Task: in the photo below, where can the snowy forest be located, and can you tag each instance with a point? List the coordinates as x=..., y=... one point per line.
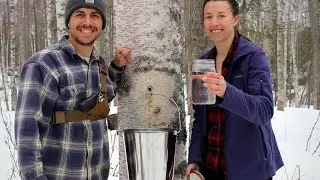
x=165, y=36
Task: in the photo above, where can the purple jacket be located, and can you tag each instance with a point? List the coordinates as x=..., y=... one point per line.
x=251, y=150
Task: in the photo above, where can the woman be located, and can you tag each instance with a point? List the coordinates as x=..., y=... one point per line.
x=233, y=139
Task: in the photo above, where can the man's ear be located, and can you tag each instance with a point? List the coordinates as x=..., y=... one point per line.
x=236, y=20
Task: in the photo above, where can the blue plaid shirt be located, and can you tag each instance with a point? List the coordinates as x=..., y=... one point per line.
x=50, y=80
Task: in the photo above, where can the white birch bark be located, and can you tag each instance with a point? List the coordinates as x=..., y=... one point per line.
x=51, y=22
x=154, y=31
x=12, y=57
x=281, y=62
x=293, y=47
x=60, y=9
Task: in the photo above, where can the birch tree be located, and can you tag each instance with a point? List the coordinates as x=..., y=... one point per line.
x=292, y=43
x=27, y=31
x=281, y=63
x=154, y=31
x=60, y=8
x=51, y=22
x=2, y=10
x=314, y=6
x=268, y=40
x=12, y=53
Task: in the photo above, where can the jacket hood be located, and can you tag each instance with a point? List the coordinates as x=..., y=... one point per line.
x=245, y=47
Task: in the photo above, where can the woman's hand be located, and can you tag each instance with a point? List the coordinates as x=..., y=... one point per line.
x=190, y=167
x=215, y=83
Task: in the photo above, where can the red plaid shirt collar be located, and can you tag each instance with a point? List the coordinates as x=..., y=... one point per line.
x=215, y=160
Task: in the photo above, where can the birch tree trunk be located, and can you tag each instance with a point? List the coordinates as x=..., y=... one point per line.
x=2, y=39
x=60, y=8
x=51, y=22
x=5, y=52
x=154, y=31
x=281, y=63
x=12, y=57
x=292, y=34
x=314, y=6
x=27, y=31
x=267, y=30
x=284, y=67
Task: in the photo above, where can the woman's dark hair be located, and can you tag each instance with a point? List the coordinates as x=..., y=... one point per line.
x=235, y=11
x=233, y=3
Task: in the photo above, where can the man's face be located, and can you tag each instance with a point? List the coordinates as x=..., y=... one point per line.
x=85, y=26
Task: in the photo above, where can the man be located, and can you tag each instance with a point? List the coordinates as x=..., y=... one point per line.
x=60, y=125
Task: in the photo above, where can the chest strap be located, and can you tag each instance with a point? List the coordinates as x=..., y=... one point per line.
x=99, y=111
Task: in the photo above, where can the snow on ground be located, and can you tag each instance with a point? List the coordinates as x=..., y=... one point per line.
x=292, y=129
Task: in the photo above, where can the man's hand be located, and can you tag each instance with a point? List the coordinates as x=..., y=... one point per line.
x=122, y=55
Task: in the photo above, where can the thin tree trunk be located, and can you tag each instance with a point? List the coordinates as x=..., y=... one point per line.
x=274, y=62
x=51, y=22
x=60, y=9
x=281, y=62
x=12, y=60
x=27, y=33
x=314, y=6
x=289, y=49
x=295, y=75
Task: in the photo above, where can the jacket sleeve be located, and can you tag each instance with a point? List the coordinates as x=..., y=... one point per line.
x=114, y=77
x=37, y=95
x=196, y=144
x=255, y=106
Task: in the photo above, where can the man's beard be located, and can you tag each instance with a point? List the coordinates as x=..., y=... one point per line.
x=85, y=44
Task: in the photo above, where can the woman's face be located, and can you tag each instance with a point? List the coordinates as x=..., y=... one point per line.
x=219, y=21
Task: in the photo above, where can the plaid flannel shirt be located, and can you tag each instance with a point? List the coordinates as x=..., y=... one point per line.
x=215, y=165
x=51, y=80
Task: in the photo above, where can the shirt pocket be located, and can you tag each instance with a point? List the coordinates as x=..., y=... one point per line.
x=73, y=90
x=69, y=96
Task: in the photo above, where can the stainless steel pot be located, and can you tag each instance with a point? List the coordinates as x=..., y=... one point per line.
x=150, y=152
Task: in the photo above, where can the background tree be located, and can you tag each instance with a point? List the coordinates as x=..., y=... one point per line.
x=51, y=22
x=314, y=10
x=60, y=8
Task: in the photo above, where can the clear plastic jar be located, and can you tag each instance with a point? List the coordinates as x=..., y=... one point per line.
x=200, y=94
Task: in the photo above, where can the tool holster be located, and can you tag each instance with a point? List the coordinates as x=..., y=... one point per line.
x=99, y=111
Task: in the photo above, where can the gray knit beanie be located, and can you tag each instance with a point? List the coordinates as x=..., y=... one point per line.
x=73, y=5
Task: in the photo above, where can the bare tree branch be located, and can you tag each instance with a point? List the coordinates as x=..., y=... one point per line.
x=309, y=138
x=8, y=130
x=316, y=149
